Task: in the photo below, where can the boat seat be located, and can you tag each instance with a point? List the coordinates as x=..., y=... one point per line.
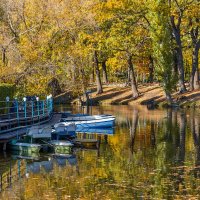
x=33, y=130
x=40, y=132
x=44, y=132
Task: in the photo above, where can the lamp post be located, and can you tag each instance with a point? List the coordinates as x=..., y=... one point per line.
x=16, y=106
x=37, y=99
x=51, y=103
x=24, y=99
x=7, y=106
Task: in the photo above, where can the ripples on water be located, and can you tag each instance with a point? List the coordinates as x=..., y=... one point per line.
x=152, y=155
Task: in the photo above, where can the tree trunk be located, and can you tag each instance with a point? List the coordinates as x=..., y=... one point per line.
x=132, y=76
x=151, y=69
x=179, y=53
x=92, y=77
x=4, y=56
x=128, y=77
x=168, y=97
x=181, y=74
x=105, y=75
x=97, y=71
x=194, y=78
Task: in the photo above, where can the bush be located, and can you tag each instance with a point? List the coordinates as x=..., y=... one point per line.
x=6, y=90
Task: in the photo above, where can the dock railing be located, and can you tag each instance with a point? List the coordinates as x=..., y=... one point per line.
x=16, y=114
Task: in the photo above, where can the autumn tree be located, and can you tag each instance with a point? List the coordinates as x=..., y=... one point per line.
x=162, y=44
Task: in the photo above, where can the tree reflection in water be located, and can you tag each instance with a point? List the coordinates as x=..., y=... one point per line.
x=152, y=155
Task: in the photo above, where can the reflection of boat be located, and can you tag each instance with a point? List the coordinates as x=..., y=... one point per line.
x=25, y=155
x=36, y=167
x=22, y=145
x=86, y=142
x=104, y=131
x=63, y=159
x=61, y=146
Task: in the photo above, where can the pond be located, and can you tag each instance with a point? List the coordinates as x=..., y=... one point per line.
x=152, y=154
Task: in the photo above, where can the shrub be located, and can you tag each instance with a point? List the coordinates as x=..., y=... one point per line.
x=6, y=90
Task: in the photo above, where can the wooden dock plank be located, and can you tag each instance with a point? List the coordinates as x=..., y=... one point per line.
x=21, y=131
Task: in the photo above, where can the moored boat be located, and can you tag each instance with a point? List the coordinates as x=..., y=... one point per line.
x=21, y=145
x=62, y=146
x=86, y=118
x=98, y=123
x=64, y=129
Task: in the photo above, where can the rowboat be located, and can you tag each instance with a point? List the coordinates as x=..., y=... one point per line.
x=62, y=146
x=86, y=118
x=64, y=129
x=36, y=132
x=98, y=123
x=21, y=145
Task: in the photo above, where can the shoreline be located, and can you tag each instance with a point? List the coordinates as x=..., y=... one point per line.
x=151, y=95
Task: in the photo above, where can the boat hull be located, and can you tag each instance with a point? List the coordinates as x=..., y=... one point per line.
x=86, y=118
x=25, y=147
x=104, y=123
x=62, y=147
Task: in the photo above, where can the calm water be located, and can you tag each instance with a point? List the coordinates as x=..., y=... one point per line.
x=151, y=155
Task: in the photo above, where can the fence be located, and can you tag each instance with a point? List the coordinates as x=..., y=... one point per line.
x=17, y=114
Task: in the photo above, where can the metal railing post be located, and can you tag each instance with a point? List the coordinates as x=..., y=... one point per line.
x=43, y=108
x=25, y=114
x=17, y=111
x=32, y=109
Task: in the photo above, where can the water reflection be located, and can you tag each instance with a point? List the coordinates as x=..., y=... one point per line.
x=152, y=155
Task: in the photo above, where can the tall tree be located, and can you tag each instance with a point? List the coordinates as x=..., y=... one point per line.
x=176, y=15
x=162, y=48
x=193, y=25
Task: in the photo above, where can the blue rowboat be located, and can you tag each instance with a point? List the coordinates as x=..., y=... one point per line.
x=85, y=118
x=65, y=129
x=98, y=123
